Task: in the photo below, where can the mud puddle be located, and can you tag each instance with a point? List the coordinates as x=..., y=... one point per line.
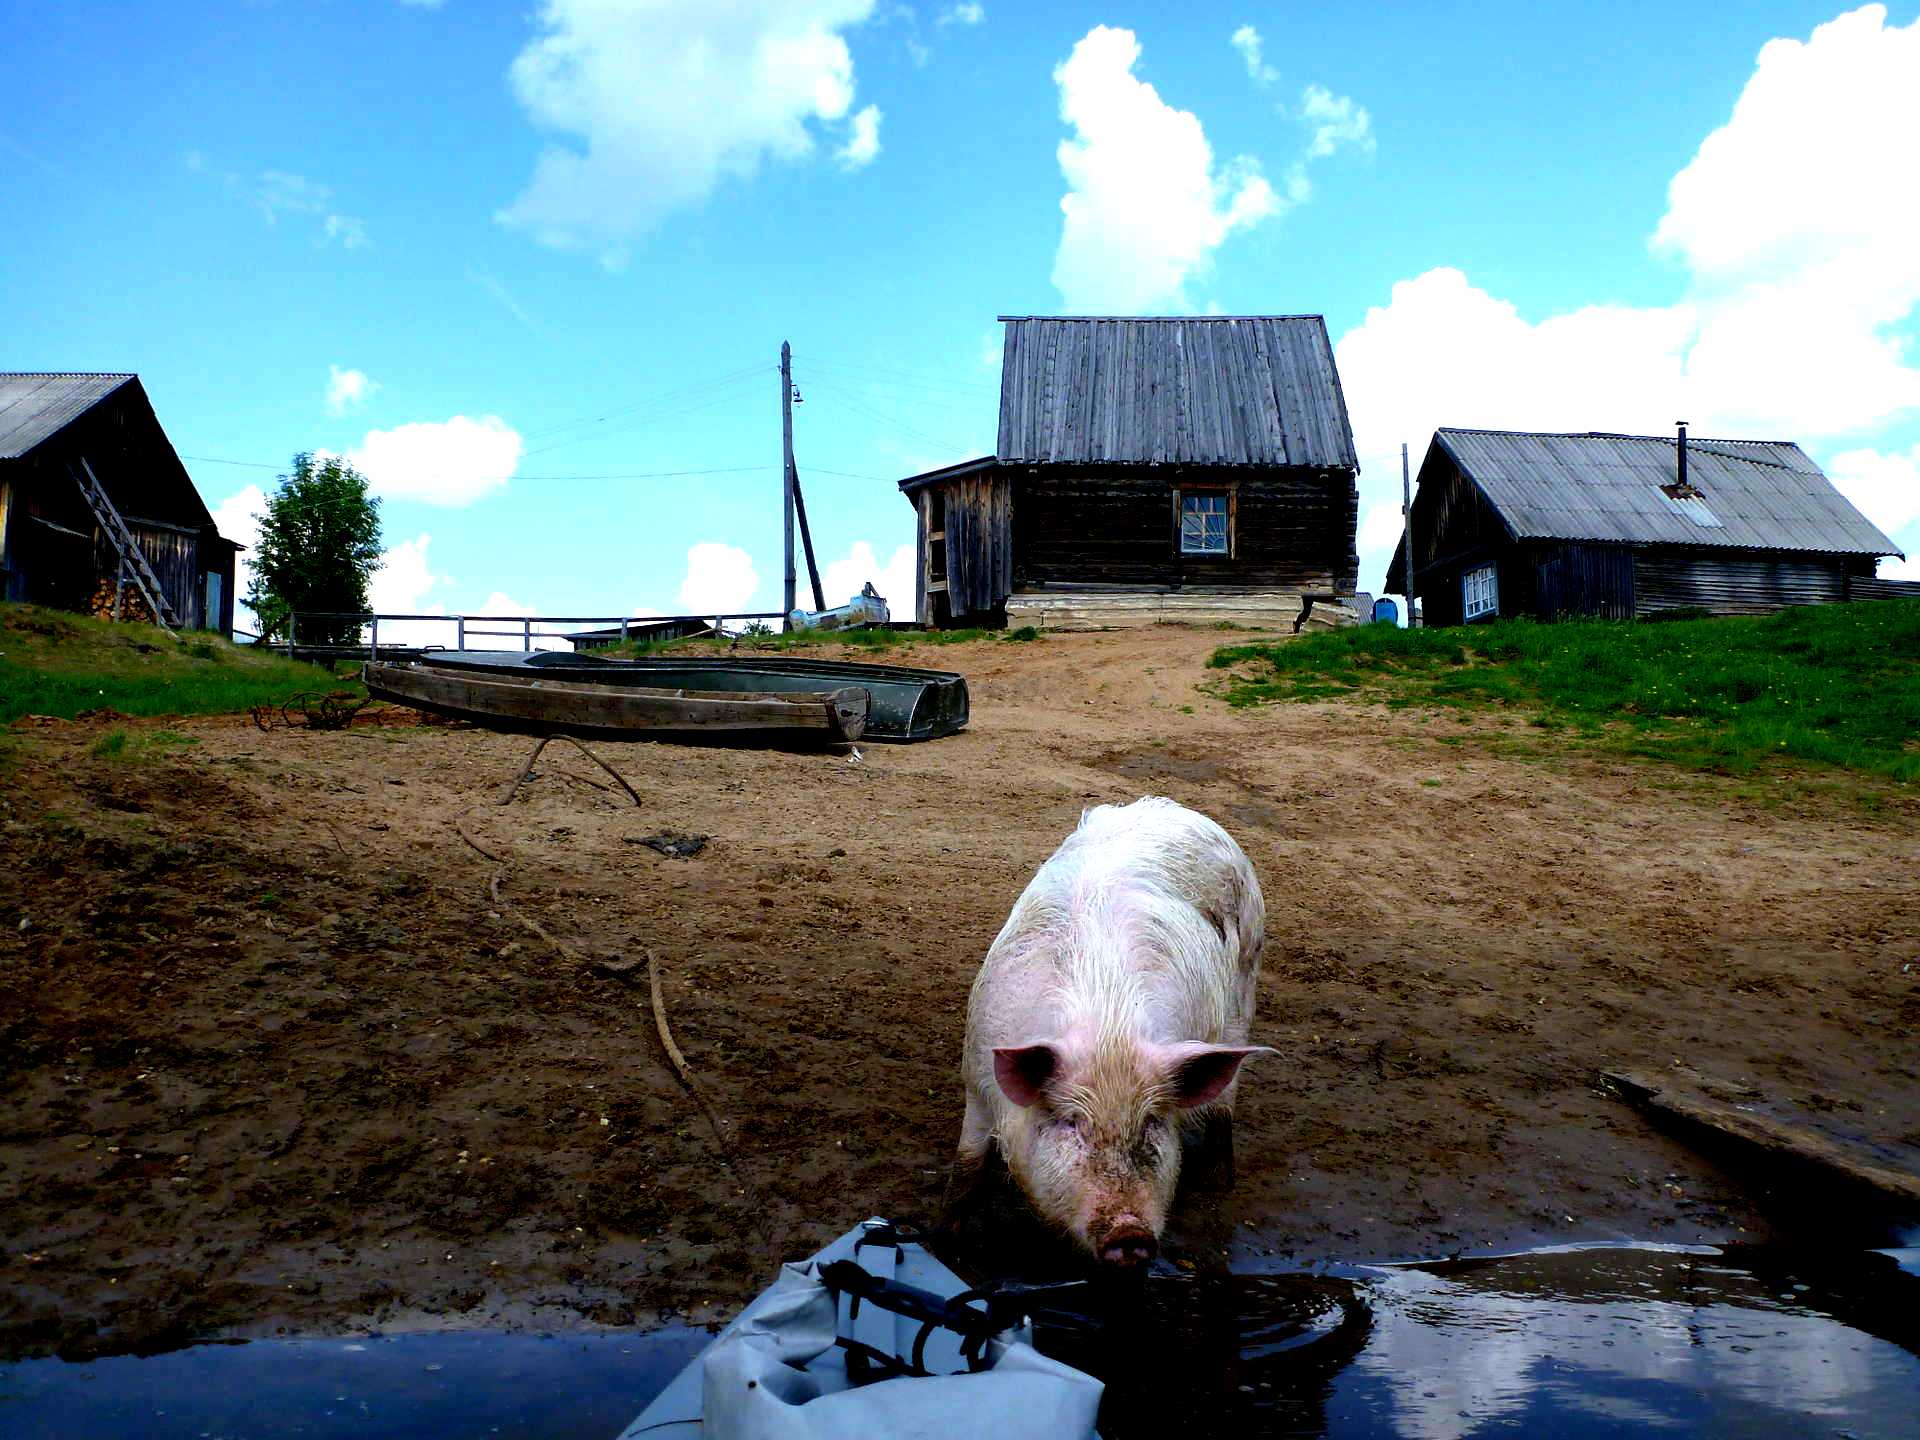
x=1582, y=1342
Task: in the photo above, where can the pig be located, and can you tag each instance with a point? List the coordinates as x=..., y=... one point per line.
x=1108, y=1023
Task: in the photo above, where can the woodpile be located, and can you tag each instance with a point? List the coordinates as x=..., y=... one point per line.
x=133, y=605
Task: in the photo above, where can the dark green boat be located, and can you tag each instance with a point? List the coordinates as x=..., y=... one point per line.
x=907, y=703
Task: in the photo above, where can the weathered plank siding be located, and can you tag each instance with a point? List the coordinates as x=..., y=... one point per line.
x=1723, y=584
x=979, y=543
x=1290, y=529
x=1583, y=580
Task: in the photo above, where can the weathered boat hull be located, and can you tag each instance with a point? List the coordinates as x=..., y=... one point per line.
x=906, y=703
x=543, y=704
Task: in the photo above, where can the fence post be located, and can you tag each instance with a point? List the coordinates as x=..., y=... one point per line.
x=459, y=632
x=373, y=639
x=293, y=623
x=526, y=632
x=623, y=629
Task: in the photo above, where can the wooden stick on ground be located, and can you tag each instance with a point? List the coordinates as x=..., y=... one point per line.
x=685, y=1072
x=527, y=772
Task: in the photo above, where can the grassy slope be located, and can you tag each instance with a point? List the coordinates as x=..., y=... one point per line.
x=1835, y=684
x=55, y=663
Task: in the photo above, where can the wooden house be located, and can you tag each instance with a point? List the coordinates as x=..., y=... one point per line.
x=58, y=531
x=1507, y=522
x=1194, y=467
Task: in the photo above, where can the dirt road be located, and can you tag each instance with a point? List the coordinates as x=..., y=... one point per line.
x=274, y=1056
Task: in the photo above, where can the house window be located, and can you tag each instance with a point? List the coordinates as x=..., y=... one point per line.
x=1481, y=590
x=1204, y=523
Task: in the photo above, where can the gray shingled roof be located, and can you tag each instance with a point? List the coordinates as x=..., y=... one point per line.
x=1754, y=494
x=34, y=406
x=1199, y=390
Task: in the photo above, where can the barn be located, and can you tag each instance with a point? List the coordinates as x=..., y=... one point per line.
x=90, y=488
x=1187, y=467
x=1509, y=522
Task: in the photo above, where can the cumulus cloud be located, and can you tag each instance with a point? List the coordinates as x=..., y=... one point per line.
x=347, y=389
x=1884, y=487
x=1146, y=207
x=656, y=105
x=1334, y=120
x=450, y=462
x=400, y=586
x=843, y=578
x=1790, y=324
x=863, y=143
x=1247, y=41
x=967, y=13
x=238, y=519
x=720, y=580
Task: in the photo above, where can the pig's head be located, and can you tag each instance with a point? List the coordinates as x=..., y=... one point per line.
x=1096, y=1140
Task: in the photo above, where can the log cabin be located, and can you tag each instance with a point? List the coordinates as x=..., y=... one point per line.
x=1509, y=522
x=1185, y=467
x=56, y=548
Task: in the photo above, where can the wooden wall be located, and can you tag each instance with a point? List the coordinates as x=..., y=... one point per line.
x=1292, y=528
x=1737, y=582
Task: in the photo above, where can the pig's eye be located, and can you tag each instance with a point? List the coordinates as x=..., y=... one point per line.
x=1071, y=1121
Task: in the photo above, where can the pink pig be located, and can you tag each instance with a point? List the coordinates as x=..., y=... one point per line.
x=1109, y=1020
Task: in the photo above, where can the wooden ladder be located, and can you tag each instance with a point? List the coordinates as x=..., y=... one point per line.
x=132, y=558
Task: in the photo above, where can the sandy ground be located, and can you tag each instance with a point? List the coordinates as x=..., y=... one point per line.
x=273, y=1056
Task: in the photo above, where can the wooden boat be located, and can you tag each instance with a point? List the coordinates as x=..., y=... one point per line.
x=542, y=704
x=905, y=703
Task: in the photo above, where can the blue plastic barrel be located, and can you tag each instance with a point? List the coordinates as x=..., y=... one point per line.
x=1386, y=611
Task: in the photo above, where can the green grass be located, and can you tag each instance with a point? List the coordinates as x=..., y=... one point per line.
x=55, y=663
x=814, y=640
x=1831, y=685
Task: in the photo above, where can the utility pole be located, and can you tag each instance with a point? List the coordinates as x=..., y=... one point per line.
x=1406, y=537
x=786, y=474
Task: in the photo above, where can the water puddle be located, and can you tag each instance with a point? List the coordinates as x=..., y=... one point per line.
x=1572, y=1343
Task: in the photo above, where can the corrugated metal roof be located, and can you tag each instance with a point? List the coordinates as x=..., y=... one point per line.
x=35, y=405
x=1197, y=390
x=1763, y=494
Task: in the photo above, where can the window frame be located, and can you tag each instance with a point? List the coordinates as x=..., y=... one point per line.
x=1490, y=602
x=1180, y=550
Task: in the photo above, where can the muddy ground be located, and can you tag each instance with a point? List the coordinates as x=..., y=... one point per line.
x=272, y=1055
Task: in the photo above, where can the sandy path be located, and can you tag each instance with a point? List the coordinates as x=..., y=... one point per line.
x=273, y=1057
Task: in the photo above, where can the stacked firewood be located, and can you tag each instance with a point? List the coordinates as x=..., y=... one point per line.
x=133, y=605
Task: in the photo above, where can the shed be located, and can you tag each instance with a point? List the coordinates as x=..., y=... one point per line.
x=1148, y=467
x=55, y=545
x=1509, y=522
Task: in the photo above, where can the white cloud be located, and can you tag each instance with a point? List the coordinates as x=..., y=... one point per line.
x=350, y=232
x=1907, y=569
x=399, y=586
x=238, y=518
x=452, y=462
x=1335, y=121
x=966, y=13
x=658, y=104
x=1885, y=487
x=843, y=578
x=720, y=580
x=1800, y=276
x=863, y=144
x=1145, y=206
x=348, y=389
x=280, y=193
x=1247, y=41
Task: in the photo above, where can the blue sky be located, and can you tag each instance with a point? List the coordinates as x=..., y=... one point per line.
x=528, y=264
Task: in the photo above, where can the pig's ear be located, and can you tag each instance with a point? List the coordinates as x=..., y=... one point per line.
x=1198, y=1073
x=1022, y=1071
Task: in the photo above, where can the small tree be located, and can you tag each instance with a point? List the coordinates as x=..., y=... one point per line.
x=319, y=546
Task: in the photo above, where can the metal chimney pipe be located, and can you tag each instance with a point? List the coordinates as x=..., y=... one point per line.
x=1683, y=457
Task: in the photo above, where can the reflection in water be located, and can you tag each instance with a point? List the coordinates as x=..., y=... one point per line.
x=1565, y=1343
x=1575, y=1343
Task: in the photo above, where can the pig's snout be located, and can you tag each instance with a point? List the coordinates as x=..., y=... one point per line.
x=1128, y=1245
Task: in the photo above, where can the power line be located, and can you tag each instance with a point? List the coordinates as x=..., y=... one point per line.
x=729, y=378
x=631, y=475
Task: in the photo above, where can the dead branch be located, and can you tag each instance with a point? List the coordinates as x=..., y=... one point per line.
x=526, y=772
x=685, y=1072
